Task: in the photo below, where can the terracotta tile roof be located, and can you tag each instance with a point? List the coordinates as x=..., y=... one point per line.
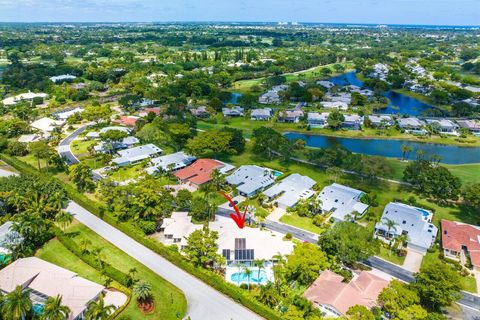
x=456, y=234
x=329, y=289
x=199, y=172
x=129, y=121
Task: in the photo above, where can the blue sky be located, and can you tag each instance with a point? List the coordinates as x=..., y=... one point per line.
x=446, y=12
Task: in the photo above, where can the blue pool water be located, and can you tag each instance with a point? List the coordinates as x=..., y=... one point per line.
x=391, y=148
x=234, y=97
x=277, y=174
x=399, y=103
x=254, y=278
x=38, y=309
x=424, y=212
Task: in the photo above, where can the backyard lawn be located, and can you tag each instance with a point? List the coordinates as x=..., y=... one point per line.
x=80, y=147
x=126, y=173
x=301, y=222
x=169, y=301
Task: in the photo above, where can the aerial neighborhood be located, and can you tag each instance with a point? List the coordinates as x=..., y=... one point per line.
x=239, y=171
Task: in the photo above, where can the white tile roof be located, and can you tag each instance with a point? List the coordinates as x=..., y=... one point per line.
x=179, y=226
x=342, y=200
x=251, y=179
x=137, y=153
x=178, y=159
x=46, y=124
x=291, y=190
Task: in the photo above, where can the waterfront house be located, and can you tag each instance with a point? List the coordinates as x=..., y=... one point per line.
x=471, y=125
x=326, y=84
x=352, y=122
x=250, y=179
x=461, y=242
x=341, y=201
x=412, y=125
x=261, y=114
x=290, y=190
x=334, y=105
x=235, y=111
x=317, y=120
x=381, y=120
x=290, y=116
x=415, y=223
x=333, y=296
x=446, y=126
x=136, y=154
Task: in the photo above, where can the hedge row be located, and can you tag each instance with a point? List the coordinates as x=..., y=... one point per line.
x=209, y=277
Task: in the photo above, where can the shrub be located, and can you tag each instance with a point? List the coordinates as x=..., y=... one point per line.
x=288, y=236
x=148, y=227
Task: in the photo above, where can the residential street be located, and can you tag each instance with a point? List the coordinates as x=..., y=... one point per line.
x=203, y=301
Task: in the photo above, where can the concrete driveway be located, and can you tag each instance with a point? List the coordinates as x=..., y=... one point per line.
x=413, y=260
x=204, y=302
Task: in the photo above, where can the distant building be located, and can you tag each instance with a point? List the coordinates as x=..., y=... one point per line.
x=461, y=241
x=341, y=201
x=7, y=235
x=317, y=120
x=261, y=114
x=334, y=297
x=200, y=112
x=412, y=125
x=334, y=105
x=250, y=180
x=126, y=142
x=199, y=172
x=170, y=162
x=471, y=125
x=290, y=190
x=415, y=223
x=270, y=97
x=290, y=116
x=381, y=120
x=129, y=121
x=65, y=114
x=235, y=111
x=63, y=77
x=47, y=124
x=136, y=154
x=29, y=96
x=146, y=111
x=326, y=84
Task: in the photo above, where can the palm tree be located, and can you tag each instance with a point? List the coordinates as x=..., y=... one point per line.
x=239, y=267
x=54, y=310
x=97, y=310
x=84, y=244
x=406, y=149
x=248, y=273
x=17, y=304
x=390, y=224
x=260, y=264
x=143, y=291
x=63, y=219
x=268, y=296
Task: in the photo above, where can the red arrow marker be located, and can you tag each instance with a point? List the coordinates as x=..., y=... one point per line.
x=237, y=217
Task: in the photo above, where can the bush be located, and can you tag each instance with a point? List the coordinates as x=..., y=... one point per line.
x=288, y=236
x=148, y=227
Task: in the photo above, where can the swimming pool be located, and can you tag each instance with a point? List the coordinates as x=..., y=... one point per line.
x=255, y=277
x=38, y=309
x=277, y=174
x=425, y=213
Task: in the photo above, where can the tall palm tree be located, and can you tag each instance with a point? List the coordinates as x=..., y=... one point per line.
x=239, y=268
x=143, y=291
x=390, y=224
x=17, y=304
x=260, y=264
x=63, y=219
x=248, y=273
x=406, y=149
x=54, y=310
x=97, y=310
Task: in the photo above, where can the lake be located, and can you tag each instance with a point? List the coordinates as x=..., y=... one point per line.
x=399, y=103
x=391, y=148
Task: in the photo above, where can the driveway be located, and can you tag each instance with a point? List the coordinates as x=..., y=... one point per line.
x=276, y=214
x=413, y=260
x=204, y=302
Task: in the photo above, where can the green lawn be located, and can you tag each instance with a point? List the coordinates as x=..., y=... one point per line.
x=468, y=283
x=168, y=299
x=126, y=173
x=300, y=222
x=80, y=147
x=386, y=254
x=259, y=210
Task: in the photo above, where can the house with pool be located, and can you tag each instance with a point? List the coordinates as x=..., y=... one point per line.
x=42, y=279
x=412, y=125
x=8, y=239
x=342, y=202
x=317, y=120
x=445, y=126
x=286, y=193
x=251, y=179
x=415, y=223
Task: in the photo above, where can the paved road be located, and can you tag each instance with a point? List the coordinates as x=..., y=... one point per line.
x=67, y=154
x=204, y=302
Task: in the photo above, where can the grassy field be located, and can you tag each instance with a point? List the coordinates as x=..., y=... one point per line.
x=168, y=299
x=301, y=222
x=80, y=147
x=386, y=254
x=126, y=173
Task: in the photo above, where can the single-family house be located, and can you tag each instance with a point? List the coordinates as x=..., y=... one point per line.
x=334, y=105
x=144, y=112
x=471, y=125
x=170, y=162
x=352, y=122
x=63, y=77
x=47, y=124
x=129, y=121
x=126, y=142
x=177, y=228
x=200, y=112
x=326, y=84
x=446, y=126
x=96, y=134
x=43, y=279
x=261, y=114
x=29, y=96
x=250, y=179
x=317, y=120
x=334, y=297
x=269, y=97
x=290, y=116
x=345, y=97
x=7, y=237
x=199, y=172
x=33, y=137
x=461, y=242
x=65, y=114
x=412, y=124
x=415, y=223
x=290, y=190
x=235, y=111
x=342, y=201
x=136, y=154
x=381, y=120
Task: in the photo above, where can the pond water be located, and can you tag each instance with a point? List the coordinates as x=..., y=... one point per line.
x=234, y=97
x=391, y=148
x=399, y=103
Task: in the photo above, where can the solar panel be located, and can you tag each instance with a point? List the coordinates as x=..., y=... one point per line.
x=240, y=243
x=226, y=254
x=244, y=254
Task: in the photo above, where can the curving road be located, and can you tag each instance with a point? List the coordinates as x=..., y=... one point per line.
x=204, y=302
x=66, y=153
